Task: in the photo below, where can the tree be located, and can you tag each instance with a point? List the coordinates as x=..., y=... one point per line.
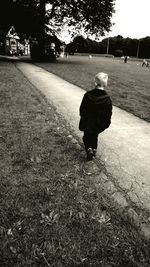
x=29, y=16
x=144, y=48
x=93, y=15
x=22, y=14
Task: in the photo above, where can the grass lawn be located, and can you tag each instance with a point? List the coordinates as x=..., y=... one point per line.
x=129, y=84
x=52, y=214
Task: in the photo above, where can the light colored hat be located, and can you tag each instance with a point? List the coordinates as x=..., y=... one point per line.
x=101, y=79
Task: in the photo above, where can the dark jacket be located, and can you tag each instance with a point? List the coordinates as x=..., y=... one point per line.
x=95, y=111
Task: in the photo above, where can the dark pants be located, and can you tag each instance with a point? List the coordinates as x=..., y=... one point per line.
x=90, y=140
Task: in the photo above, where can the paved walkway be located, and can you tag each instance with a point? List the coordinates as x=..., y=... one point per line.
x=124, y=148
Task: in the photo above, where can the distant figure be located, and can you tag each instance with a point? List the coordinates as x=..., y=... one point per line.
x=66, y=54
x=95, y=112
x=125, y=59
x=145, y=63
x=90, y=56
x=10, y=53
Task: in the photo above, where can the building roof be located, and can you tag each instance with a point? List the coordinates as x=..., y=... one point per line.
x=12, y=33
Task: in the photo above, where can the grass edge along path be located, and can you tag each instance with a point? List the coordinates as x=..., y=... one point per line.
x=128, y=83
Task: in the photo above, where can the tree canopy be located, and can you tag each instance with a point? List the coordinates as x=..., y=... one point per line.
x=25, y=15
x=93, y=15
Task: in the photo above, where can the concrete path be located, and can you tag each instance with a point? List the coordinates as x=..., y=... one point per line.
x=124, y=148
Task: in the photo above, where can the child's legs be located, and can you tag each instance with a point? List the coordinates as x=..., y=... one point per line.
x=95, y=141
x=90, y=140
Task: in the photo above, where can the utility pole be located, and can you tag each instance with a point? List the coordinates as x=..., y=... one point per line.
x=138, y=49
x=107, y=50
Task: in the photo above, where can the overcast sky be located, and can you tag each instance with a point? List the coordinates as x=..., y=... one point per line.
x=132, y=18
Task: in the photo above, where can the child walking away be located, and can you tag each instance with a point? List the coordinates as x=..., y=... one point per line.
x=95, y=112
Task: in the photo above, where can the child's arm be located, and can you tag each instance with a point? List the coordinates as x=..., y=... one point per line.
x=83, y=105
x=108, y=114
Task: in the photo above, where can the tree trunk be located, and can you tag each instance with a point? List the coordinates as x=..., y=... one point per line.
x=41, y=39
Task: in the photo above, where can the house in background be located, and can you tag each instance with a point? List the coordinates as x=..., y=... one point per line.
x=12, y=42
x=13, y=46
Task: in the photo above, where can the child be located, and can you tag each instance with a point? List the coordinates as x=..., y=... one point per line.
x=95, y=112
x=144, y=62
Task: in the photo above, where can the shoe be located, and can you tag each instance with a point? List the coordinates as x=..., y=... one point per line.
x=94, y=152
x=90, y=154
